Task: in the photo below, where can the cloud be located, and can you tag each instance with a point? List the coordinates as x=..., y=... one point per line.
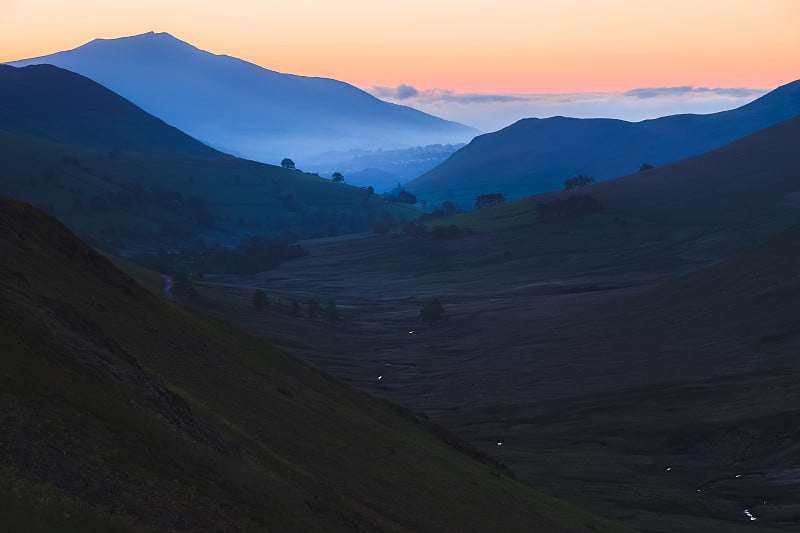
x=490, y=112
x=406, y=92
x=656, y=92
x=401, y=92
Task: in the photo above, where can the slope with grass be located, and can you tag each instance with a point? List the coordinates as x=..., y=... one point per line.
x=124, y=178
x=245, y=109
x=121, y=410
x=536, y=155
x=740, y=192
x=664, y=401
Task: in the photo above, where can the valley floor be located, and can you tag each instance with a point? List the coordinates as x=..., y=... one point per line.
x=584, y=385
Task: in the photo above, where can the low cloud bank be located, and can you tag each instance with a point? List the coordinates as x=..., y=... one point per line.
x=490, y=112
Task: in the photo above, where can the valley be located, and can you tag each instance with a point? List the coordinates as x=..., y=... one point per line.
x=580, y=371
x=236, y=299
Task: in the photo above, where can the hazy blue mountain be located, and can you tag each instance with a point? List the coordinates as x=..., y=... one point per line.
x=247, y=110
x=52, y=104
x=535, y=155
x=382, y=169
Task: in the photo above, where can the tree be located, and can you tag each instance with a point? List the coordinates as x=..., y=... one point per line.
x=645, y=166
x=337, y=177
x=332, y=313
x=287, y=163
x=313, y=309
x=406, y=197
x=575, y=205
x=432, y=312
x=489, y=200
x=260, y=300
x=578, y=181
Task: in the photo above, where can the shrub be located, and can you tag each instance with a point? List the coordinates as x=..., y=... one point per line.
x=432, y=312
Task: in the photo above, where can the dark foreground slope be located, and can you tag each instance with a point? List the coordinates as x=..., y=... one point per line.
x=121, y=410
x=536, y=155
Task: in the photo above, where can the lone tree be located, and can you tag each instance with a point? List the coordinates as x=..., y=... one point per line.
x=645, y=166
x=312, y=309
x=578, y=181
x=288, y=163
x=406, y=197
x=332, y=313
x=260, y=300
x=337, y=177
x=432, y=312
x=489, y=200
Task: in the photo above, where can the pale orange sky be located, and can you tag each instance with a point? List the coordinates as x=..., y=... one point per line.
x=500, y=46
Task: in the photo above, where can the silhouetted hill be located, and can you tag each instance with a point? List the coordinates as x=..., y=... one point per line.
x=746, y=182
x=121, y=411
x=50, y=103
x=743, y=185
x=123, y=178
x=245, y=109
x=536, y=155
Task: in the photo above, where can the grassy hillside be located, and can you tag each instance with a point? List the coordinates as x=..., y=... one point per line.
x=741, y=193
x=124, y=179
x=123, y=411
x=537, y=155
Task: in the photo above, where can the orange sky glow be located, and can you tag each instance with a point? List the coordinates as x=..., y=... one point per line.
x=502, y=46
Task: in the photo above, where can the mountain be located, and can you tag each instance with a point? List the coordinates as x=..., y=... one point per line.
x=743, y=184
x=55, y=105
x=247, y=110
x=700, y=208
x=125, y=179
x=536, y=155
x=123, y=411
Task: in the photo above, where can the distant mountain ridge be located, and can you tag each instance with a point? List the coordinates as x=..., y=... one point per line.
x=245, y=109
x=537, y=155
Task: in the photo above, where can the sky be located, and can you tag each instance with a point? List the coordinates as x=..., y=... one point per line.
x=476, y=61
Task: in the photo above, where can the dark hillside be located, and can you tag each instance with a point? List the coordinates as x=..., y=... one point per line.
x=124, y=179
x=50, y=103
x=743, y=182
x=120, y=410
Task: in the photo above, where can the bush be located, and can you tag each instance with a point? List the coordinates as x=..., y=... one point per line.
x=572, y=206
x=489, y=200
x=260, y=300
x=332, y=313
x=432, y=312
x=578, y=181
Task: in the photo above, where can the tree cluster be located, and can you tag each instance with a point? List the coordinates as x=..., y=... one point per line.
x=447, y=209
x=400, y=194
x=489, y=200
x=311, y=309
x=577, y=182
x=572, y=206
x=441, y=231
x=256, y=254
